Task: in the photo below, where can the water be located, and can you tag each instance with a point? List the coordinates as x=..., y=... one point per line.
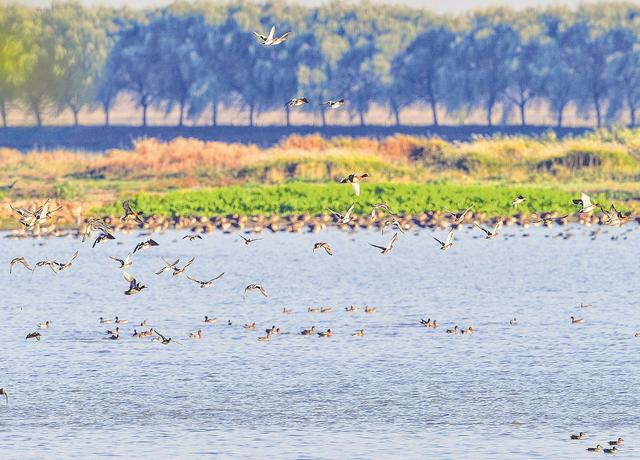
x=402, y=391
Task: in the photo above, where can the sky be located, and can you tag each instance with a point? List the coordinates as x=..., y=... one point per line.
x=435, y=5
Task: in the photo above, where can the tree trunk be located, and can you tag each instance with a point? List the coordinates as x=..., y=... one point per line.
x=523, y=108
x=434, y=112
x=3, y=113
x=181, y=116
x=76, y=121
x=632, y=116
x=489, y=114
x=288, y=115
x=559, y=116
x=214, y=112
x=251, y=109
x=144, y=114
x=105, y=109
x=396, y=113
x=37, y=113
x=596, y=104
x=361, y=115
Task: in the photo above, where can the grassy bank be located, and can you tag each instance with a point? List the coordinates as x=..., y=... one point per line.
x=297, y=198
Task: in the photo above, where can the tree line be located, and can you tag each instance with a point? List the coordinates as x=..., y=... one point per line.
x=199, y=57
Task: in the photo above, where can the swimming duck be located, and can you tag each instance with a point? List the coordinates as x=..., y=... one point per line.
x=273, y=330
x=598, y=448
x=208, y=283
x=577, y=321
x=297, y=101
x=121, y=321
x=389, y=247
x=327, y=333
x=467, y=331
x=455, y=330
x=143, y=323
x=45, y=325
x=250, y=326
x=271, y=39
x=313, y=310
x=326, y=309
x=196, y=335
x=446, y=245
x=580, y=436
x=368, y=309
x=126, y=263
x=115, y=331
x=19, y=260
x=162, y=339
x=613, y=450
x=105, y=320
x=351, y=309
x=354, y=180
x=266, y=338
x=33, y=335
x=324, y=246
x=358, y=333
x=490, y=234
x=309, y=331
x=287, y=311
x=513, y=322
x=134, y=286
x=210, y=320
x=616, y=442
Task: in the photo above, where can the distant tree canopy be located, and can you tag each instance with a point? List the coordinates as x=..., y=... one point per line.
x=196, y=57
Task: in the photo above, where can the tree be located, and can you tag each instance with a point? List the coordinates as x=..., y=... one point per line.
x=85, y=50
x=16, y=54
x=486, y=54
x=421, y=70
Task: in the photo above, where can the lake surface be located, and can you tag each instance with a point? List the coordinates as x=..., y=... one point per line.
x=401, y=391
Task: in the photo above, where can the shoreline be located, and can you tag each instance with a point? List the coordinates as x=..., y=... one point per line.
x=307, y=223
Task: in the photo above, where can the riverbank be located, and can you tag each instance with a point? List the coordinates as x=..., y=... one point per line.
x=299, y=207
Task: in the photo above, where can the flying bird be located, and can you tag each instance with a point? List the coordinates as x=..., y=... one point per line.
x=255, y=287
x=168, y=266
x=145, y=245
x=491, y=234
x=324, y=246
x=518, y=200
x=342, y=219
x=19, y=260
x=354, y=180
x=394, y=223
x=192, y=237
x=102, y=238
x=446, y=245
x=65, y=266
x=33, y=335
x=162, y=339
x=129, y=211
x=134, y=286
x=382, y=206
x=126, y=263
x=248, y=241
x=458, y=217
x=206, y=284
x=271, y=39
x=95, y=224
x=586, y=206
x=179, y=271
x=334, y=104
x=297, y=102
x=389, y=247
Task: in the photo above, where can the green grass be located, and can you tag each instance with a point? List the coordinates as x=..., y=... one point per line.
x=295, y=198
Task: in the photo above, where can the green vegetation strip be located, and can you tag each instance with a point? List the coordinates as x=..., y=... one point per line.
x=316, y=198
